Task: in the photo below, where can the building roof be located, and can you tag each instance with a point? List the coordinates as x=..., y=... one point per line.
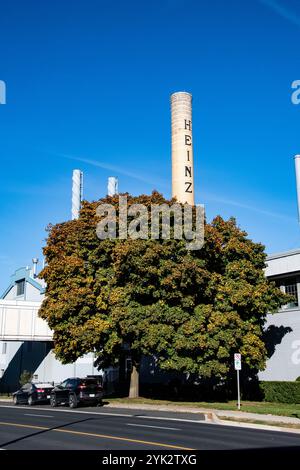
x=24, y=273
x=284, y=254
x=287, y=262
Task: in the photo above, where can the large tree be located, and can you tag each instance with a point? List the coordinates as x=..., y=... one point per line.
x=190, y=309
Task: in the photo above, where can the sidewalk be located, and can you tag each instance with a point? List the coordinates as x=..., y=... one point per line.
x=212, y=414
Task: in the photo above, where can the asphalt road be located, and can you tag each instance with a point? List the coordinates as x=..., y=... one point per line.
x=44, y=428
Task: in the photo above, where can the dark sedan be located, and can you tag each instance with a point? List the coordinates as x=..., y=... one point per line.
x=33, y=393
x=75, y=391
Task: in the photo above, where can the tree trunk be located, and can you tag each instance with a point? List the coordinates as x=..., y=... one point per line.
x=134, y=383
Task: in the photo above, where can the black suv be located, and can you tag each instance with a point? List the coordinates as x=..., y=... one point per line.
x=74, y=391
x=33, y=393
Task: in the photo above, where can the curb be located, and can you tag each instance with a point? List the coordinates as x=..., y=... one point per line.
x=210, y=417
x=243, y=424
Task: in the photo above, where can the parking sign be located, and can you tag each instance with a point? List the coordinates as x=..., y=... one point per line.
x=237, y=361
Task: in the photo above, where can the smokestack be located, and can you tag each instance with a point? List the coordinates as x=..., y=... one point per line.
x=35, y=263
x=77, y=192
x=112, y=186
x=297, y=169
x=182, y=148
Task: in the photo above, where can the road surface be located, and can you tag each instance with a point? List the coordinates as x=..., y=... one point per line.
x=44, y=428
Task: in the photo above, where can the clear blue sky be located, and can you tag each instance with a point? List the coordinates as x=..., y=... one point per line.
x=89, y=81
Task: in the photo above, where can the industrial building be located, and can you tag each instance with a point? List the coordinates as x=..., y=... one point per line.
x=27, y=340
x=283, y=328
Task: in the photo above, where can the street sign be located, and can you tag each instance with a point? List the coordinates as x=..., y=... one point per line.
x=238, y=367
x=237, y=361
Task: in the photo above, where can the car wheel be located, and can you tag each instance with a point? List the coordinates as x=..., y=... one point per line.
x=73, y=401
x=53, y=401
x=30, y=401
x=15, y=400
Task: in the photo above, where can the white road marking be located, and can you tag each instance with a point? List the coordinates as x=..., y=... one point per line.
x=155, y=427
x=55, y=410
x=38, y=415
x=76, y=411
x=172, y=419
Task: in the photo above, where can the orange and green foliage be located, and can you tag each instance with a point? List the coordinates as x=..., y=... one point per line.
x=190, y=309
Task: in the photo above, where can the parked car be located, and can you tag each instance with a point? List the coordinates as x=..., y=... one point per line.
x=76, y=391
x=33, y=393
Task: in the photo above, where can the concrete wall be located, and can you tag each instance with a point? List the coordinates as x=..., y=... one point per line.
x=5, y=358
x=53, y=370
x=38, y=358
x=283, y=342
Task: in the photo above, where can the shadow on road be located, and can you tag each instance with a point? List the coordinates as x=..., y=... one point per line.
x=43, y=431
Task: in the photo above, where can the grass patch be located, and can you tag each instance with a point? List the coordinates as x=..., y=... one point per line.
x=279, y=409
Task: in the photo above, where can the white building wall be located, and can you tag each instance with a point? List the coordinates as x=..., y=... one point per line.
x=284, y=360
x=11, y=348
x=19, y=321
x=52, y=370
x=39, y=359
x=12, y=294
x=284, y=363
x=32, y=293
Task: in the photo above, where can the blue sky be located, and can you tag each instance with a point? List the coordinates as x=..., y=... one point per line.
x=88, y=85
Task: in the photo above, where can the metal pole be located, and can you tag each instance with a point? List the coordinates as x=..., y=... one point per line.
x=77, y=192
x=112, y=186
x=238, y=388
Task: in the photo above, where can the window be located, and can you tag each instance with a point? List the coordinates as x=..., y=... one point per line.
x=291, y=289
x=128, y=365
x=29, y=346
x=72, y=383
x=64, y=384
x=289, y=286
x=4, y=348
x=20, y=287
